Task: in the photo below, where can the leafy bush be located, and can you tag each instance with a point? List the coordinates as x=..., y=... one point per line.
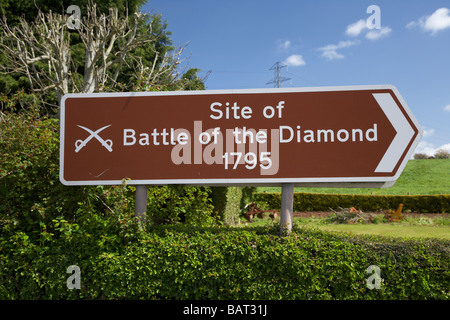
x=227, y=202
x=120, y=261
x=420, y=156
x=31, y=193
x=346, y=215
x=175, y=203
x=442, y=154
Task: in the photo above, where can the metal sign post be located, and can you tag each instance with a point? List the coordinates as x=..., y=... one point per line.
x=140, y=208
x=287, y=208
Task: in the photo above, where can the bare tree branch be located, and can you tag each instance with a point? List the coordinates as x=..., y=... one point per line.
x=41, y=51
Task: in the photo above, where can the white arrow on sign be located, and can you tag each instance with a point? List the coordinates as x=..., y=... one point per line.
x=404, y=132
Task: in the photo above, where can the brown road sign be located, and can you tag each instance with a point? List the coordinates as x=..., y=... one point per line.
x=325, y=136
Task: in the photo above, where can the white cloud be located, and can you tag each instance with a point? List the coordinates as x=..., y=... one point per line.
x=286, y=44
x=428, y=132
x=330, y=51
x=425, y=147
x=376, y=34
x=360, y=26
x=429, y=148
x=332, y=55
x=283, y=45
x=295, y=60
x=356, y=28
x=437, y=21
x=411, y=25
x=447, y=108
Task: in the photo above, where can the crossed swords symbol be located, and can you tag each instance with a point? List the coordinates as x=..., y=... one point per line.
x=80, y=144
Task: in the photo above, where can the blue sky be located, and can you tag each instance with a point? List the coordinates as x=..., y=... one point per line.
x=322, y=43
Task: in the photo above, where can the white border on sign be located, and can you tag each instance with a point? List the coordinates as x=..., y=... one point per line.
x=370, y=182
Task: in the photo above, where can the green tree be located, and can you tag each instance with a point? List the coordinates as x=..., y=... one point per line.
x=14, y=9
x=191, y=80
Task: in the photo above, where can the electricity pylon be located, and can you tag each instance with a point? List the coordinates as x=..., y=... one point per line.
x=278, y=79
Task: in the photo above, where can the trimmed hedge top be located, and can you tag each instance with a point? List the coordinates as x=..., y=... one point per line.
x=323, y=202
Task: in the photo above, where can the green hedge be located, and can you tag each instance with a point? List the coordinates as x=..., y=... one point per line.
x=31, y=193
x=117, y=261
x=226, y=202
x=323, y=202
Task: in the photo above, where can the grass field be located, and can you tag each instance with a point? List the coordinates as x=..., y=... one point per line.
x=431, y=176
x=437, y=227
x=392, y=230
